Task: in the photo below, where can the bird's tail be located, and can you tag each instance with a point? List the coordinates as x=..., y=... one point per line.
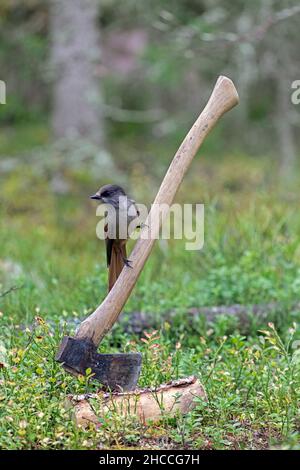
x=118, y=254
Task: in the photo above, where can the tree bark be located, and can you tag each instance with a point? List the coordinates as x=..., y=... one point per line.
x=75, y=53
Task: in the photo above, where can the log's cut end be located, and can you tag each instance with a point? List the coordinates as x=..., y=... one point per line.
x=146, y=405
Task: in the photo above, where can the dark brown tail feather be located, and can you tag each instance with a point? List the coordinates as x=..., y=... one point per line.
x=116, y=264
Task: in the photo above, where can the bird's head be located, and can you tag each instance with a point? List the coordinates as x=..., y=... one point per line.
x=108, y=193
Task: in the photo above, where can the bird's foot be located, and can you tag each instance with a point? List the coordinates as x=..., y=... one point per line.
x=127, y=262
x=142, y=225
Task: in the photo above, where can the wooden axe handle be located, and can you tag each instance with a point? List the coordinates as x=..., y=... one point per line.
x=223, y=98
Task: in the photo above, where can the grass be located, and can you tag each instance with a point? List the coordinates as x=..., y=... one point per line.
x=251, y=255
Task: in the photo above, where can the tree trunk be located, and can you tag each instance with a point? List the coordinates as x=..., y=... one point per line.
x=284, y=126
x=75, y=53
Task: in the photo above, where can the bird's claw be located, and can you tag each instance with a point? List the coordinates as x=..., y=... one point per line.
x=127, y=263
x=142, y=225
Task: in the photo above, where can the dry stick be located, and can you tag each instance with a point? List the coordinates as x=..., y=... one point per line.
x=11, y=289
x=223, y=98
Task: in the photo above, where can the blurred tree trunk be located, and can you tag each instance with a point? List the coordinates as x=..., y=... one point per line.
x=75, y=52
x=284, y=126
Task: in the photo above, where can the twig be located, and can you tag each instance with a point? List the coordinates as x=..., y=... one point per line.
x=255, y=34
x=135, y=116
x=11, y=289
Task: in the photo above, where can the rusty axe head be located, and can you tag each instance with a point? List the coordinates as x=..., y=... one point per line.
x=114, y=371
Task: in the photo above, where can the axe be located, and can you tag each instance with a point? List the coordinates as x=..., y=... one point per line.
x=79, y=353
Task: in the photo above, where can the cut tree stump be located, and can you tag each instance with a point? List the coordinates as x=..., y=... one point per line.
x=151, y=404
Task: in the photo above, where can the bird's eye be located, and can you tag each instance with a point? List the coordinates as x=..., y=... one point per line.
x=105, y=194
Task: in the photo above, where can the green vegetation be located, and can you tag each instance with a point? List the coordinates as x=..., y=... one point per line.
x=49, y=251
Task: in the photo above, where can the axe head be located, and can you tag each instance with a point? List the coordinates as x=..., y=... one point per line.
x=114, y=371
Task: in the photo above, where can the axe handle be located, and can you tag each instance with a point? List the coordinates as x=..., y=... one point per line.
x=223, y=98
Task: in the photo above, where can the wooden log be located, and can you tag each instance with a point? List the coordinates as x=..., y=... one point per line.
x=137, y=322
x=146, y=405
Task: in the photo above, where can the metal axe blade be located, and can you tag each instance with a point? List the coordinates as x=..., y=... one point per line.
x=114, y=371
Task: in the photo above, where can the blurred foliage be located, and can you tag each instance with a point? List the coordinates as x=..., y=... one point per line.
x=251, y=252
x=187, y=45
x=23, y=56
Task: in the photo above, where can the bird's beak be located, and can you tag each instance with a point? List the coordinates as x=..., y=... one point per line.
x=96, y=196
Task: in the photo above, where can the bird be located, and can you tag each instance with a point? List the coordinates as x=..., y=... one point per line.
x=121, y=211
